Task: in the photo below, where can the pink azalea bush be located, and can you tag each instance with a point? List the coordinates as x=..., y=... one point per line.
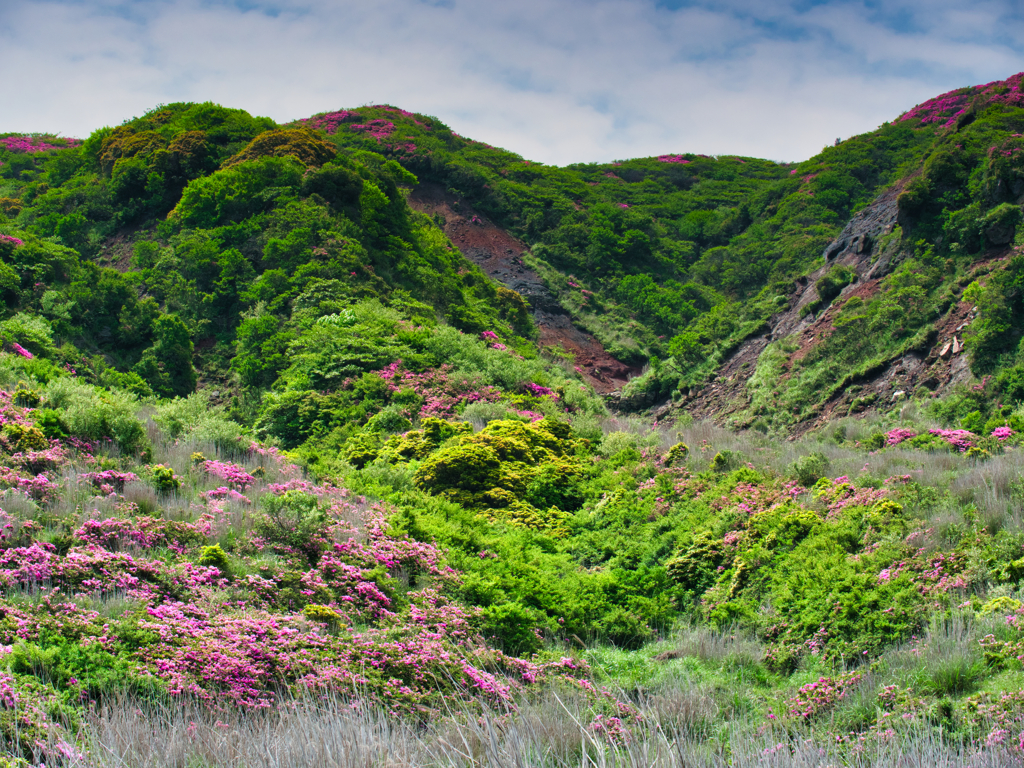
x=34, y=144
x=899, y=435
x=821, y=695
x=944, y=110
x=1002, y=433
x=329, y=122
x=960, y=439
x=233, y=473
x=378, y=128
x=20, y=350
x=442, y=393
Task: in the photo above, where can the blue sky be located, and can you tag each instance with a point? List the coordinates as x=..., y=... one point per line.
x=558, y=81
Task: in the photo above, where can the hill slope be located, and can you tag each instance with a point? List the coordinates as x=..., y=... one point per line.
x=318, y=408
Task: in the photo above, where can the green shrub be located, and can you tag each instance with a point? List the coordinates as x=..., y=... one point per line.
x=875, y=442
x=389, y=420
x=215, y=557
x=92, y=414
x=725, y=460
x=625, y=629
x=51, y=423
x=305, y=145
x=167, y=365
x=676, y=454
x=164, y=479
x=294, y=520
x=33, y=332
x=807, y=470
x=322, y=614
x=235, y=193
x=831, y=284
x=193, y=417
x=463, y=467
x=512, y=627
x=26, y=398
x=23, y=437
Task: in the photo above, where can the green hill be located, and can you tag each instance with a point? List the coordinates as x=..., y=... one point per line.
x=359, y=407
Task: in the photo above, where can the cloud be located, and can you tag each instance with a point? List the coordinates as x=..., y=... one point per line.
x=558, y=81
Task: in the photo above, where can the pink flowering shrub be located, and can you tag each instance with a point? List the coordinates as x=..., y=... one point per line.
x=233, y=473
x=112, y=477
x=899, y=435
x=539, y=391
x=944, y=110
x=1002, y=433
x=225, y=493
x=839, y=494
x=10, y=239
x=960, y=439
x=329, y=122
x=822, y=695
x=441, y=393
x=116, y=533
x=378, y=128
x=20, y=350
x=34, y=144
x=673, y=159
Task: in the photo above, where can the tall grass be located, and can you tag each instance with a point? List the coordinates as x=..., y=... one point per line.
x=553, y=732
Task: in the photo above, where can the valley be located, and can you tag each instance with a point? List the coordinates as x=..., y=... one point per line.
x=354, y=441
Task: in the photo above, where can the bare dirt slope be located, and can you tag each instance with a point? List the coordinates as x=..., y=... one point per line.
x=498, y=254
x=861, y=247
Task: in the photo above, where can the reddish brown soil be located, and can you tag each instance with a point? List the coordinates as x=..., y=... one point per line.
x=499, y=255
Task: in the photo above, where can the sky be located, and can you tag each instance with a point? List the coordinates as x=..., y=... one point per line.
x=557, y=81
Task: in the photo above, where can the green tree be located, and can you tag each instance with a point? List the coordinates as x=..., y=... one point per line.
x=167, y=365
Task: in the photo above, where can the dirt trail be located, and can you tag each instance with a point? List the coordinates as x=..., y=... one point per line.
x=498, y=254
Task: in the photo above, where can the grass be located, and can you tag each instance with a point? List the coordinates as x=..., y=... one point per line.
x=330, y=732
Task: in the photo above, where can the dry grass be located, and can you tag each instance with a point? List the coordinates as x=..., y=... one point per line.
x=552, y=732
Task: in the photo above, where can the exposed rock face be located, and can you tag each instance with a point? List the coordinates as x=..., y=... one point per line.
x=859, y=239
x=937, y=364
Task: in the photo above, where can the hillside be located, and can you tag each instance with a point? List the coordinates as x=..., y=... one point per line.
x=356, y=426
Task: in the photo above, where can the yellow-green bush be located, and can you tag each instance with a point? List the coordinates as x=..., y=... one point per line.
x=304, y=145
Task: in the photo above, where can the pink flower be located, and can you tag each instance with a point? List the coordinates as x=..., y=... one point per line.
x=897, y=436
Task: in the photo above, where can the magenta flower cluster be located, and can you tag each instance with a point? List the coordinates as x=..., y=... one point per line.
x=402, y=112
x=960, y=439
x=20, y=350
x=539, y=391
x=442, y=393
x=1002, y=433
x=12, y=240
x=34, y=144
x=233, y=473
x=112, y=477
x=945, y=109
x=899, y=435
x=822, y=695
x=331, y=121
x=673, y=159
x=378, y=128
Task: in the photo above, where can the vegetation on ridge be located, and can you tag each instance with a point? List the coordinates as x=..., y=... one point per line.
x=268, y=438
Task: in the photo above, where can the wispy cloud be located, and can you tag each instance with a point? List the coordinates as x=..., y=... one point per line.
x=555, y=80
